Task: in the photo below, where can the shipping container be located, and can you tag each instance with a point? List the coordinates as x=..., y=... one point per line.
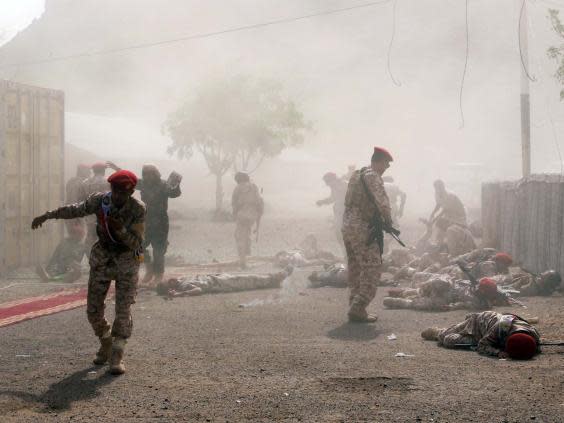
x=31, y=172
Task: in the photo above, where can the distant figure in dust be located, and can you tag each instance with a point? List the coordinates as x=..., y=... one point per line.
x=95, y=184
x=248, y=208
x=450, y=207
x=73, y=184
x=155, y=193
x=338, y=189
x=397, y=198
x=365, y=197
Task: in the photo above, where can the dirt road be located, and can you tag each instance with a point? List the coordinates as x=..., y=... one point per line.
x=289, y=356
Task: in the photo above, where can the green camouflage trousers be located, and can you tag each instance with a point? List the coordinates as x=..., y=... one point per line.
x=123, y=268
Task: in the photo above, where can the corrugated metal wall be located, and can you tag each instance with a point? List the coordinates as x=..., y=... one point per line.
x=526, y=219
x=31, y=171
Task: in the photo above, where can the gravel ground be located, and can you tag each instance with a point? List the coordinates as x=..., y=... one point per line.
x=289, y=355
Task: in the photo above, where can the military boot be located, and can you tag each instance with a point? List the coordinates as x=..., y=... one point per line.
x=431, y=334
x=116, y=362
x=105, y=350
x=357, y=314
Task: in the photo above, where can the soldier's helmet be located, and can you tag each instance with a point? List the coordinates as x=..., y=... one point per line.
x=521, y=346
x=487, y=288
x=550, y=279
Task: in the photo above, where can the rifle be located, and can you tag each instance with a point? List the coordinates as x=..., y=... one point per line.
x=542, y=344
x=377, y=224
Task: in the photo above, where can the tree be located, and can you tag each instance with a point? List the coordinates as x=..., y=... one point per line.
x=235, y=124
x=557, y=53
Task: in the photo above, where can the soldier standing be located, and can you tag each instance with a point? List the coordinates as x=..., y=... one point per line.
x=74, y=183
x=115, y=256
x=248, y=207
x=96, y=183
x=365, y=197
x=338, y=189
x=155, y=193
x=396, y=195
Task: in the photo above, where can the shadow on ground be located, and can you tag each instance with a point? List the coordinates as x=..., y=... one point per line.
x=354, y=332
x=61, y=395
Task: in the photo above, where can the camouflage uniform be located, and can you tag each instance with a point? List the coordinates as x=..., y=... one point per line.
x=364, y=261
x=248, y=207
x=155, y=196
x=73, y=189
x=487, y=331
x=94, y=184
x=111, y=260
x=224, y=282
x=459, y=240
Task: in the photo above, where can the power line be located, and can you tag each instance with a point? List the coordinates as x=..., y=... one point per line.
x=194, y=36
x=520, y=47
x=465, y=67
x=394, y=80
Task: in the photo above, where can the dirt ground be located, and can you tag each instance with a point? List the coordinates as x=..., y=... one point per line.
x=288, y=355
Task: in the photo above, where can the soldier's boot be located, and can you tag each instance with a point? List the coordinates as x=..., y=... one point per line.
x=396, y=303
x=116, y=361
x=357, y=314
x=105, y=350
x=431, y=334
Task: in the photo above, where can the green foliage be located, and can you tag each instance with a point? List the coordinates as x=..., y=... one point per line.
x=557, y=53
x=236, y=123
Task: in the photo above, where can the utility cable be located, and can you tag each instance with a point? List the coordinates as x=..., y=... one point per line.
x=194, y=36
x=394, y=80
x=465, y=67
x=520, y=47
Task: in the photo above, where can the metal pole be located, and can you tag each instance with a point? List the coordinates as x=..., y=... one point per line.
x=525, y=100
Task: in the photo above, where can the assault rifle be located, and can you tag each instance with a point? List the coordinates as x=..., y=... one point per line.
x=377, y=224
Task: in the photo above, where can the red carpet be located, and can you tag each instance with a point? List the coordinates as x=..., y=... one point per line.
x=44, y=305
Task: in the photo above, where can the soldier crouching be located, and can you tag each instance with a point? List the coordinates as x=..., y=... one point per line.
x=120, y=229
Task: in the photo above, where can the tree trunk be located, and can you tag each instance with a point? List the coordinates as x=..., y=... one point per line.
x=218, y=193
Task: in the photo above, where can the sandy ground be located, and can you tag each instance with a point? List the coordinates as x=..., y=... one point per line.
x=288, y=356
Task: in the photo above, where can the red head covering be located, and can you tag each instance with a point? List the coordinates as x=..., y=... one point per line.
x=123, y=179
x=380, y=152
x=487, y=287
x=521, y=346
x=329, y=176
x=503, y=258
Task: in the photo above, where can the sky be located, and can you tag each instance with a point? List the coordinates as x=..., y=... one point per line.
x=334, y=66
x=15, y=15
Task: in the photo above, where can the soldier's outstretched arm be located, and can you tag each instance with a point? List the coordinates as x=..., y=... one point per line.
x=71, y=211
x=174, y=192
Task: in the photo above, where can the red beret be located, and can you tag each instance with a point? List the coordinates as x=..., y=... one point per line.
x=521, y=346
x=383, y=152
x=488, y=287
x=503, y=258
x=123, y=179
x=99, y=165
x=329, y=176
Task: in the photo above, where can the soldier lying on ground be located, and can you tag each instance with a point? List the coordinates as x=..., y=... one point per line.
x=529, y=285
x=64, y=264
x=307, y=254
x=333, y=275
x=491, y=333
x=442, y=294
x=221, y=283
